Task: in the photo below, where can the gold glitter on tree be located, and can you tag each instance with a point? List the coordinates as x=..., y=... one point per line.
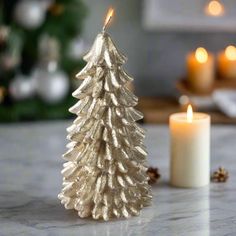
x=105, y=173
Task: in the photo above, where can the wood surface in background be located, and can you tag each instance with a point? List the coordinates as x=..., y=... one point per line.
x=158, y=110
x=183, y=87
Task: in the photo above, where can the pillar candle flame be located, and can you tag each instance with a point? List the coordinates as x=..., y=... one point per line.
x=230, y=53
x=190, y=114
x=214, y=8
x=201, y=55
x=110, y=14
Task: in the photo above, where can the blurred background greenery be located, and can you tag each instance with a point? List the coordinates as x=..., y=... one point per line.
x=40, y=51
x=42, y=43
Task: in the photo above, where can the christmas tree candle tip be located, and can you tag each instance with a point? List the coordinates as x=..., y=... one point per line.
x=109, y=15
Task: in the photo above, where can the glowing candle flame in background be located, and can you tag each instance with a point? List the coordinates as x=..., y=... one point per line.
x=110, y=14
x=230, y=53
x=190, y=114
x=201, y=55
x=214, y=8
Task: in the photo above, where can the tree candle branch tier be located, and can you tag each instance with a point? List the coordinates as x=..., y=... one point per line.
x=190, y=149
x=105, y=173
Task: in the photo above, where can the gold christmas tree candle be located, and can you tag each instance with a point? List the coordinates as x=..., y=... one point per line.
x=105, y=173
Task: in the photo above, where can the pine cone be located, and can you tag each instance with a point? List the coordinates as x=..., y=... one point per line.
x=153, y=174
x=220, y=175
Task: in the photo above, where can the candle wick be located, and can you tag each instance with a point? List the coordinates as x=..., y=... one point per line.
x=106, y=23
x=105, y=26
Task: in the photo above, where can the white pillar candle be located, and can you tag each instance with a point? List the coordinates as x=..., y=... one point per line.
x=190, y=149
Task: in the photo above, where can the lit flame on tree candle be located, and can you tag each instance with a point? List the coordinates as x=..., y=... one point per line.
x=201, y=55
x=230, y=53
x=110, y=14
x=190, y=114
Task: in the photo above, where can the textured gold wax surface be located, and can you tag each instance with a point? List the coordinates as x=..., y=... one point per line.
x=104, y=175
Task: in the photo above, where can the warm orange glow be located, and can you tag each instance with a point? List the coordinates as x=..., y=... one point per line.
x=190, y=114
x=2, y=93
x=230, y=53
x=110, y=14
x=215, y=8
x=201, y=55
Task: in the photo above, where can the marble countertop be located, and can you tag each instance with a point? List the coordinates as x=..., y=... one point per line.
x=30, y=179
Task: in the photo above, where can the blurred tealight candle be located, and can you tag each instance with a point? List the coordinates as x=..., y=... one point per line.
x=214, y=8
x=190, y=149
x=227, y=63
x=200, y=70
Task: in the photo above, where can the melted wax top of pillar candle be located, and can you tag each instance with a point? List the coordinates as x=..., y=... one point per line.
x=182, y=117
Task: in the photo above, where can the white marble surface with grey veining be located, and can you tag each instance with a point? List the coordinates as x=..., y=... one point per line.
x=30, y=179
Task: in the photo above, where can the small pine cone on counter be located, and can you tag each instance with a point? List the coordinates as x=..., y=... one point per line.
x=153, y=174
x=220, y=175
